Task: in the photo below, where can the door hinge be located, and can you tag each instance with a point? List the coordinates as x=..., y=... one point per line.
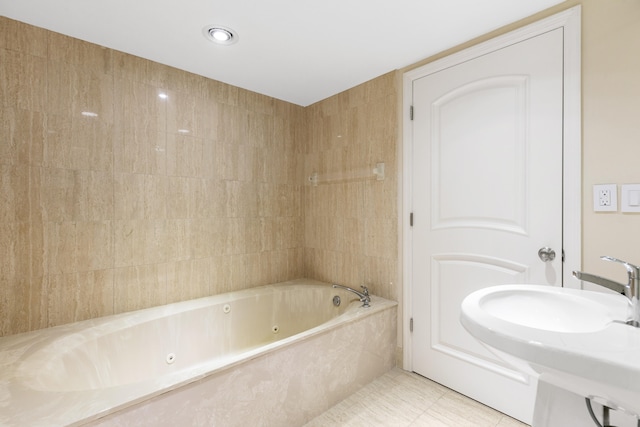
x=411, y=219
x=411, y=325
x=563, y=255
x=411, y=112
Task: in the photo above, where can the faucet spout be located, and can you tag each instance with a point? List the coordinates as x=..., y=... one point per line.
x=631, y=289
x=365, y=299
x=601, y=281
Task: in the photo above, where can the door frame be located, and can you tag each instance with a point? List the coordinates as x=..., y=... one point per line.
x=570, y=21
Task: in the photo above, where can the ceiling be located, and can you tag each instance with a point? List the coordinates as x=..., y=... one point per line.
x=300, y=51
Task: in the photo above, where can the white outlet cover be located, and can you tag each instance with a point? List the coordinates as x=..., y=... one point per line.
x=613, y=191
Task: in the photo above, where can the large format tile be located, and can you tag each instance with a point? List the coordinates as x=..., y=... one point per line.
x=405, y=399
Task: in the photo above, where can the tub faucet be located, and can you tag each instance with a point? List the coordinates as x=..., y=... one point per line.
x=631, y=289
x=365, y=299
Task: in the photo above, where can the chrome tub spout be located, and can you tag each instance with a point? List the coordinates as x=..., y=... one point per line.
x=365, y=299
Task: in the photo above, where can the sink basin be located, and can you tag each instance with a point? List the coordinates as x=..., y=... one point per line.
x=544, y=308
x=572, y=338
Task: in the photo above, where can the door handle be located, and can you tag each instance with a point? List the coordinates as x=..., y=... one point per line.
x=546, y=254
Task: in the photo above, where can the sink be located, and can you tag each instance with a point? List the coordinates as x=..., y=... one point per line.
x=544, y=308
x=574, y=339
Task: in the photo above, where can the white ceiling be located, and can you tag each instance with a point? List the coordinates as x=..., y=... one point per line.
x=300, y=51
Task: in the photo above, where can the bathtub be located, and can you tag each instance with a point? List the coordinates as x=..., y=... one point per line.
x=275, y=355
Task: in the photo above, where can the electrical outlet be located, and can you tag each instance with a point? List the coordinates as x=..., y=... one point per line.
x=605, y=198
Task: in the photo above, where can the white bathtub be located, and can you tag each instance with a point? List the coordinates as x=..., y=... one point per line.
x=275, y=355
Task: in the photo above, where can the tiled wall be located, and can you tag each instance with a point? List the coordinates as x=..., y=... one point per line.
x=351, y=218
x=115, y=197
x=141, y=200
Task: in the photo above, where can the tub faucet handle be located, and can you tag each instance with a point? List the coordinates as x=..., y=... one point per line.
x=364, y=297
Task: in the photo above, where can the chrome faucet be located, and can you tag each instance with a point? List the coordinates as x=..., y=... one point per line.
x=365, y=299
x=631, y=289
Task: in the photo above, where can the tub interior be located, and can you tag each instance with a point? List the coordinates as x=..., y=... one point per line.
x=122, y=350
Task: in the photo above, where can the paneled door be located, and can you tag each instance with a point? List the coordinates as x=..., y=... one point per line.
x=487, y=200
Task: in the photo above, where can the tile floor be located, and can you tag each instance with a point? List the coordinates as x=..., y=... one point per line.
x=404, y=399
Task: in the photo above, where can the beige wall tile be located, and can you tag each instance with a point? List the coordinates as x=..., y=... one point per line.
x=95, y=246
x=138, y=69
x=20, y=37
x=223, y=93
x=77, y=52
x=21, y=80
x=80, y=296
x=188, y=279
x=14, y=190
x=238, y=272
x=22, y=134
x=38, y=247
x=236, y=236
x=189, y=113
x=183, y=238
x=253, y=270
x=140, y=105
x=140, y=149
x=206, y=238
x=80, y=246
x=74, y=89
x=381, y=273
x=181, y=81
x=139, y=196
x=140, y=286
x=14, y=250
x=185, y=155
x=287, y=233
x=221, y=276
x=230, y=120
x=92, y=196
x=274, y=266
x=181, y=197
x=22, y=304
x=140, y=242
x=57, y=194
x=68, y=195
x=78, y=143
x=256, y=102
x=380, y=198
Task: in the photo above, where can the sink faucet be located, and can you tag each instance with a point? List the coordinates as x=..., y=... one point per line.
x=365, y=299
x=631, y=289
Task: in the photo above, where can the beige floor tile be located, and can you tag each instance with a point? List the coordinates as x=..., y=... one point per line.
x=457, y=410
x=405, y=399
x=426, y=420
x=510, y=422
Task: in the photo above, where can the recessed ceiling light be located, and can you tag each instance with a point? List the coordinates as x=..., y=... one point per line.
x=220, y=35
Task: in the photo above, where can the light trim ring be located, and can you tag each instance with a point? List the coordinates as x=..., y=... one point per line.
x=220, y=35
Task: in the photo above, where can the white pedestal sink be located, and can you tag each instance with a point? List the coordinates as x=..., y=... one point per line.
x=573, y=339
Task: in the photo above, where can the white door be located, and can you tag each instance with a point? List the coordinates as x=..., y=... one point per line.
x=486, y=195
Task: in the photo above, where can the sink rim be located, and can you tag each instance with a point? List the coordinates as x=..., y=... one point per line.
x=483, y=299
